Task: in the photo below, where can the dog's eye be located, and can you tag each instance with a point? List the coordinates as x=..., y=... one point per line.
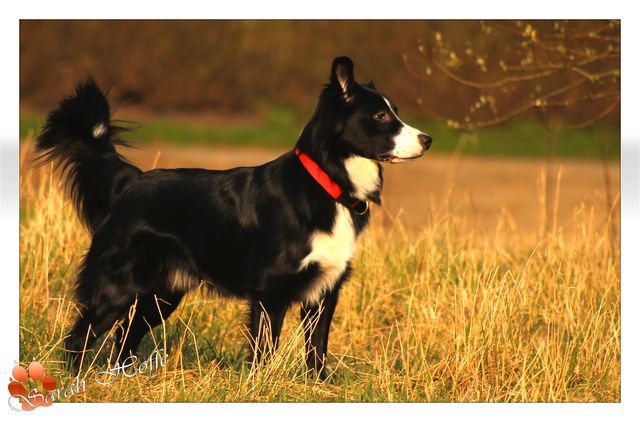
x=380, y=116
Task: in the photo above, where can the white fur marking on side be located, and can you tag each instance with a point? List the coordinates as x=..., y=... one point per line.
x=364, y=176
x=332, y=252
x=181, y=281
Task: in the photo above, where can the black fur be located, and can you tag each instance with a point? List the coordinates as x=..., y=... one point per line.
x=95, y=172
x=244, y=231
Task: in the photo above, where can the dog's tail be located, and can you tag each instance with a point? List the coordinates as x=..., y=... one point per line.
x=80, y=137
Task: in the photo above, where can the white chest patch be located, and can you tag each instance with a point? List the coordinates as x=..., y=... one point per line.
x=364, y=176
x=331, y=251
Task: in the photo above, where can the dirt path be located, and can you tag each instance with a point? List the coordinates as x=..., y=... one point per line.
x=483, y=187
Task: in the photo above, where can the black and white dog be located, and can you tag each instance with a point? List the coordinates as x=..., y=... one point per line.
x=275, y=234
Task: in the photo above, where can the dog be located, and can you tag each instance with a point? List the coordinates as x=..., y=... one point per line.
x=280, y=233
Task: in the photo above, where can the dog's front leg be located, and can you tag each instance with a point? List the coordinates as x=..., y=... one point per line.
x=317, y=323
x=264, y=327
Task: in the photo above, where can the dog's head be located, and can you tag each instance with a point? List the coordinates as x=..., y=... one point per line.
x=358, y=120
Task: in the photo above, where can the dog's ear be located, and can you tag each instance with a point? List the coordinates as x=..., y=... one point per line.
x=342, y=77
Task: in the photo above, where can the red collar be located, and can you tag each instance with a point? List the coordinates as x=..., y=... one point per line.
x=329, y=185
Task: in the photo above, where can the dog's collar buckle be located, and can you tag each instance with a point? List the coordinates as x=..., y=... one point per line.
x=360, y=207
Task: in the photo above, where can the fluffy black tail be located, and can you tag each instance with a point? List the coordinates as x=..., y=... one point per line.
x=80, y=137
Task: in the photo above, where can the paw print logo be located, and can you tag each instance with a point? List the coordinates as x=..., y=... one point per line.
x=22, y=386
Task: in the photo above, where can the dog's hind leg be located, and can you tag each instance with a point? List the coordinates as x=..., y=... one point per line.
x=116, y=274
x=149, y=312
x=161, y=274
x=104, y=298
x=94, y=322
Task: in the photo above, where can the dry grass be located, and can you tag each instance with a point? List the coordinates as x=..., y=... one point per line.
x=450, y=312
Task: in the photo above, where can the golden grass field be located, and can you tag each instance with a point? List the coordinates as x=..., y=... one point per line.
x=473, y=283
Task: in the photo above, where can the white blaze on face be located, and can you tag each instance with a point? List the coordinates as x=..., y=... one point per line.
x=406, y=143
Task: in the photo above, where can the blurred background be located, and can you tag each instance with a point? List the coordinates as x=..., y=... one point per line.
x=524, y=114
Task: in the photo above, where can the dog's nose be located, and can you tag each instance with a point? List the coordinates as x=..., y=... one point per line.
x=425, y=141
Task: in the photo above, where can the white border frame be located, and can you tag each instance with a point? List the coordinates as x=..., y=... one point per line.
x=329, y=9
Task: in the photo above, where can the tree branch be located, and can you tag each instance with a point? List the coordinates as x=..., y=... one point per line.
x=495, y=84
x=520, y=110
x=602, y=114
